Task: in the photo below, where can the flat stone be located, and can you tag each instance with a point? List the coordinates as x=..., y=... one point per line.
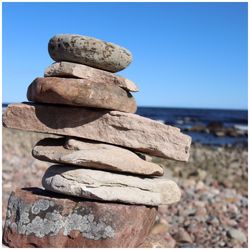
x=89, y=51
x=68, y=69
x=106, y=186
x=80, y=92
x=114, y=127
x=37, y=218
x=94, y=155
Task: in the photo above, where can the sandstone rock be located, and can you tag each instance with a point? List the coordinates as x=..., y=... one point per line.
x=106, y=186
x=94, y=155
x=80, y=92
x=37, y=219
x=68, y=69
x=89, y=51
x=114, y=127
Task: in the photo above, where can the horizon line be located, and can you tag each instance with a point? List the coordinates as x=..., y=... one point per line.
x=171, y=107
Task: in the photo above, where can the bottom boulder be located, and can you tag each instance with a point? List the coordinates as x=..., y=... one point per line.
x=39, y=218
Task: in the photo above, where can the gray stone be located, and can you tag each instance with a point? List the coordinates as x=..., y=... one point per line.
x=114, y=127
x=237, y=234
x=89, y=51
x=80, y=92
x=68, y=69
x=95, y=155
x=106, y=186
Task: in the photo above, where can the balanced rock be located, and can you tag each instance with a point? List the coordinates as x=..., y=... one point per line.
x=35, y=218
x=80, y=92
x=68, y=69
x=114, y=127
x=89, y=51
x=94, y=155
x=106, y=186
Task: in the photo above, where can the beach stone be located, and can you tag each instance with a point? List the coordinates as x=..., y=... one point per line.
x=38, y=218
x=183, y=236
x=113, y=127
x=89, y=51
x=90, y=154
x=237, y=234
x=76, y=70
x=80, y=92
x=106, y=186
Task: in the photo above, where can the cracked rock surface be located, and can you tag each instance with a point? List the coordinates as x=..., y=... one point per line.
x=35, y=218
x=76, y=70
x=81, y=92
x=90, y=154
x=89, y=51
x=106, y=186
x=114, y=127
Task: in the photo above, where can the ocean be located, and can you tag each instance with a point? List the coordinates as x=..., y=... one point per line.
x=188, y=119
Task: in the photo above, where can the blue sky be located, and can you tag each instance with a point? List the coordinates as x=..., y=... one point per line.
x=185, y=54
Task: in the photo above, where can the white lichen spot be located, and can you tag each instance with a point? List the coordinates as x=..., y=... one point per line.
x=40, y=205
x=8, y=214
x=24, y=217
x=109, y=232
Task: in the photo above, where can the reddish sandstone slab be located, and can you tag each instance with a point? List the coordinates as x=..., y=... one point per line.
x=35, y=218
x=81, y=92
x=114, y=127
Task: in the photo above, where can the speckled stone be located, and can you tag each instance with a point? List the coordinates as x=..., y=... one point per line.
x=81, y=92
x=37, y=218
x=89, y=51
x=76, y=70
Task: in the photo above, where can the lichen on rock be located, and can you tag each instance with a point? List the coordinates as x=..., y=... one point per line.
x=43, y=217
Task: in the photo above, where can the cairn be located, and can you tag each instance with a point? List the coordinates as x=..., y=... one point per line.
x=101, y=190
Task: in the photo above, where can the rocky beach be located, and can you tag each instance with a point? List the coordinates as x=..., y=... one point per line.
x=212, y=212
x=118, y=179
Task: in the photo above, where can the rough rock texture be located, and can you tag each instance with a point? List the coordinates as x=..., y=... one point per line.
x=114, y=127
x=93, y=155
x=68, y=69
x=80, y=92
x=106, y=186
x=224, y=199
x=36, y=219
x=89, y=51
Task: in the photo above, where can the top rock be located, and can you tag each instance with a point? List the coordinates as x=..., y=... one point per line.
x=89, y=51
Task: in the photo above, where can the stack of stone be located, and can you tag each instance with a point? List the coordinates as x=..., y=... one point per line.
x=102, y=192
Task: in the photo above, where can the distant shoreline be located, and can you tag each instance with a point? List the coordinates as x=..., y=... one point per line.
x=5, y=104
